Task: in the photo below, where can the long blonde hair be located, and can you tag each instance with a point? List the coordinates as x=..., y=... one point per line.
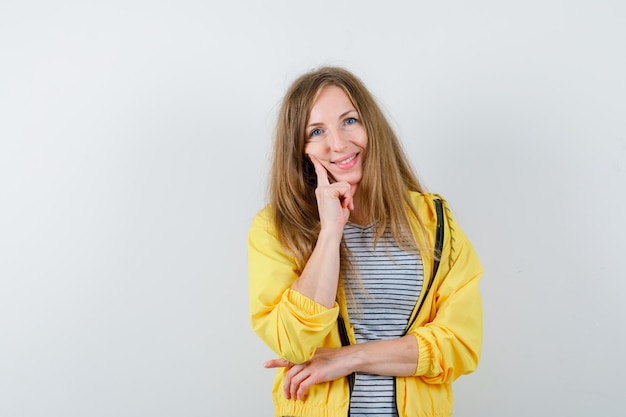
x=387, y=173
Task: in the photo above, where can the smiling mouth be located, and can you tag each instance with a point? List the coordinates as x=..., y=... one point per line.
x=345, y=161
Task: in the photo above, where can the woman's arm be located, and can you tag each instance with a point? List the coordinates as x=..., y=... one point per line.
x=293, y=311
x=396, y=357
x=291, y=324
x=320, y=276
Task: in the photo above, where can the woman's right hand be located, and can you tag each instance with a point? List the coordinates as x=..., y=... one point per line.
x=334, y=201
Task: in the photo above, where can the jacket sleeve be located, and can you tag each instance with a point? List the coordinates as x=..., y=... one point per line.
x=450, y=342
x=292, y=325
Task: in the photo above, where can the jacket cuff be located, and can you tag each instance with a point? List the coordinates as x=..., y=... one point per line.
x=303, y=306
x=424, y=356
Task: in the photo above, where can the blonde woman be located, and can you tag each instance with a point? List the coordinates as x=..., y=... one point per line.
x=360, y=282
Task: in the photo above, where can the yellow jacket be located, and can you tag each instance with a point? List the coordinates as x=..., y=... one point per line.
x=448, y=327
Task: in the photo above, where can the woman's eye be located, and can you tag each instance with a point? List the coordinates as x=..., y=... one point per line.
x=315, y=132
x=351, y=120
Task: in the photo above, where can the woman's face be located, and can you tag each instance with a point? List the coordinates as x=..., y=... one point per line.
x=336, y=136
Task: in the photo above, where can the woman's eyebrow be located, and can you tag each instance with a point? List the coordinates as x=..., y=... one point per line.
x=341, y=116
x=347, y=113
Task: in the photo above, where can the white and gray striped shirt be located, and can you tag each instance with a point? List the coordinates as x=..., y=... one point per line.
x=385, y=289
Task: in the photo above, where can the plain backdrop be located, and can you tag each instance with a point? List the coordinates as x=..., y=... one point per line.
x=134, y=146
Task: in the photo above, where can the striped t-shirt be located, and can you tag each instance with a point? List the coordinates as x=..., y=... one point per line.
x=385, y=288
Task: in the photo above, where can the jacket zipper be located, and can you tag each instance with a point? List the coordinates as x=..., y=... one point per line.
x=345, y=341
x=439, y=234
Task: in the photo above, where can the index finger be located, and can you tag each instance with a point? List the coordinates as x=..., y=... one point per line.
x=322, y=174
x=278, y=363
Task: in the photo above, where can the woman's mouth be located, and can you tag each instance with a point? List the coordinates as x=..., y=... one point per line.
x=346, y=162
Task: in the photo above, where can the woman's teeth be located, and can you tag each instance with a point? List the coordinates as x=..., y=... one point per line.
x=345, y=161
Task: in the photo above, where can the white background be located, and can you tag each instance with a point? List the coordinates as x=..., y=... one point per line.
x=134, y=144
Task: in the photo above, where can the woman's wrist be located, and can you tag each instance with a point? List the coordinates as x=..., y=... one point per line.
x=354, y=358
x=330, y=236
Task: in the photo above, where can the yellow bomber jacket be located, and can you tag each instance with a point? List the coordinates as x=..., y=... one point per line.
x=448, y=328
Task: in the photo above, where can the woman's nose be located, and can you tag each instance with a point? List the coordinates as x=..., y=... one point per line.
x=337, y=140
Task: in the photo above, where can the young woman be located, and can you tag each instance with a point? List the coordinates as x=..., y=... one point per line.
x=360, y=282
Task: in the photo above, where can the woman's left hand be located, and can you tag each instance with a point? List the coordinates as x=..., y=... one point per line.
x=327, y=364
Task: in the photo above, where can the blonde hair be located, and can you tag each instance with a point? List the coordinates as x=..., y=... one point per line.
x=387, y=173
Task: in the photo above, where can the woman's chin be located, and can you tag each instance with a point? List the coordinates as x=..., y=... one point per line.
x=350, y=178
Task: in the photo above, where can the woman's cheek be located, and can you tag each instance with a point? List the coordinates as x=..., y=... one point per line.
x=311, y=150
